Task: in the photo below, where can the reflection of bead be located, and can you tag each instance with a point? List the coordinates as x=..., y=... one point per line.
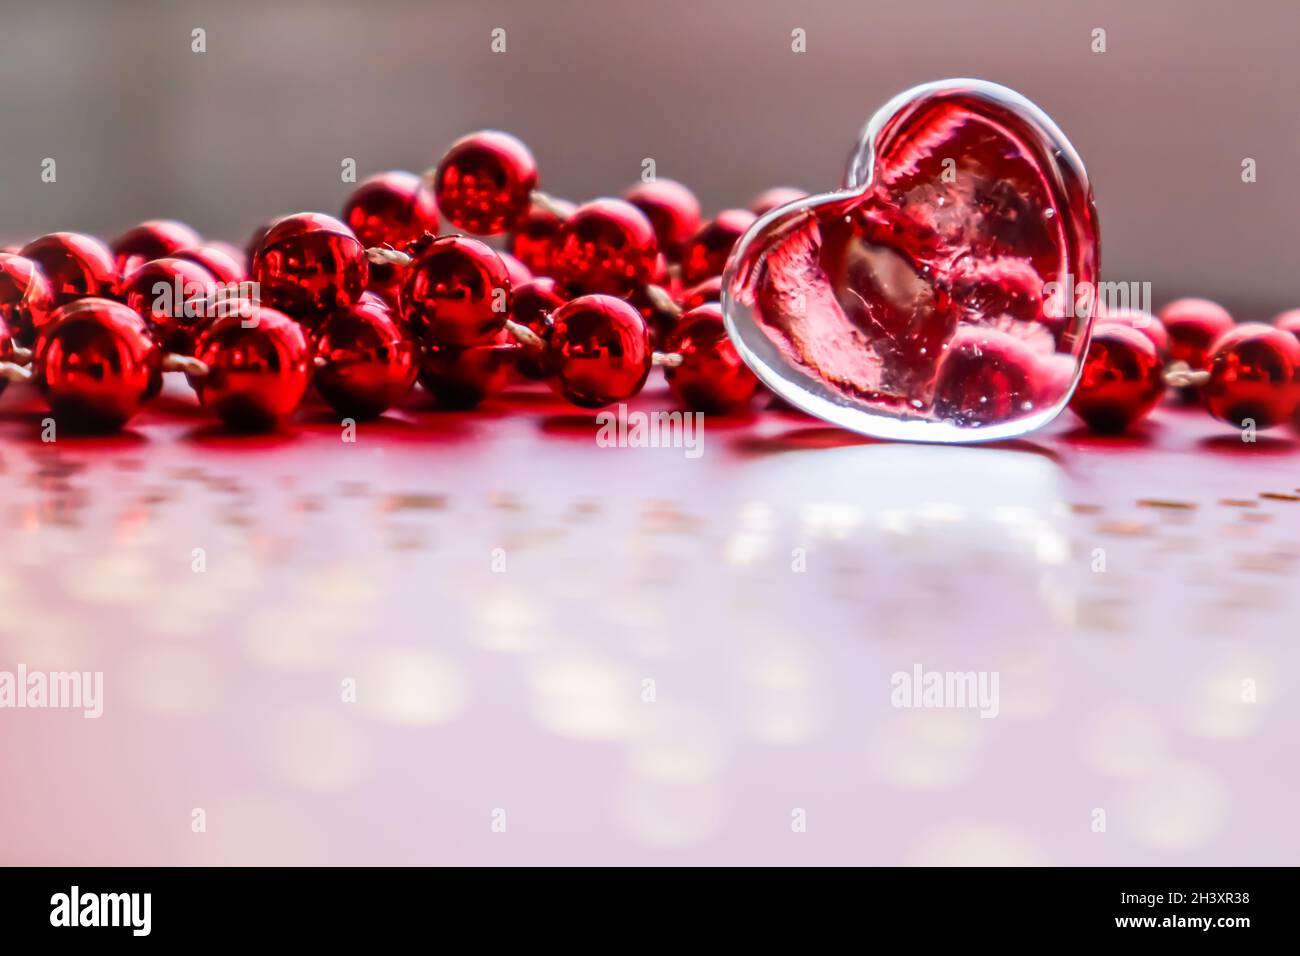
x=1254, y=375
x=485, y=182
x=711, y=377
x=97, y=364
x=599, y=351
x=1123, y=378
x=364, y=363
x=26, y=302
x=462, y=377
x=257, y=367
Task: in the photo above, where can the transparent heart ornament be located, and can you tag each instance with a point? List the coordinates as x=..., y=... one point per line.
x=946, y=293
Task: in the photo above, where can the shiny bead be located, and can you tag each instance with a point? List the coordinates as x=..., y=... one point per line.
x=706, y=253
x=154, y=239
x=536, y=237
x=532, y=305
x=518, y=272
x=599, y=351
x=462, y=377
x=392, y=209
x=710, y=290
x=365, y=364
x=1123, y=378
x=765, y=202
x=227, y=269
x=1289, y=321
x=76, y=266
x=97, y=364
x=607, y=247
x=485, y=182
x=672, y=209
x=258, y=368
x=174, y=297
x=1193, y=325
x=1254, y=375
x=255, y=240
x=712, y=376
x=26, y=302
x=1144, y=322
x=309, y=264
x=457, y=292
x=987, y=376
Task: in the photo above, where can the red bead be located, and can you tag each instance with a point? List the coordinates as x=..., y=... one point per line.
x=392, y=209
x=987, y=376
x=518, y=272
x=599, y=351
x=154, y=239
x=368, y=365
x=174, y=297
x=1289, y=321
x=26, y=302
x=258, y=368
x=309, y=264
x=672, y=209
x=710, y=290
x=1144, y=322
x=706, y=254
x=485, y=182
x=1254, y=374
x=607, y=247
x=536, y=238
x=1193, y=326
x=457, y=292
x=1123, y=378
x=76, y=266
x=532, y=305
x=712, y=376
x=255, y=240
x=765, y=202
x=462, y=377
x=96, y=364
x=225, y=268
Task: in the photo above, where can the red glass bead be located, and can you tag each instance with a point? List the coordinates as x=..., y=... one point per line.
x=97, y=364
x=987, y=376
x=1254, y=374
x=599, y=351
x=462, y=377
x=258, y=368
x=607, y=247
x=76, y=266
x=485, y=182
x=392, y=208
x=26, y=302
x=536, y=238
x=1289, y=321
x=225, y=268
x=712, y=376
x=309, y=264
x=672, y=209
x=154, y=239
x=706, y=253
x=710, y=290
x=1194, y=325
x=532, y=305
x=365, y=364
x=457, y=292
x=1123, y=378
x=1144, y=322
x=518, y=272
x=765, y=202
x=174, y=297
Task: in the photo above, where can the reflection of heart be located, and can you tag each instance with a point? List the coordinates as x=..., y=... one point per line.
x=911, y=304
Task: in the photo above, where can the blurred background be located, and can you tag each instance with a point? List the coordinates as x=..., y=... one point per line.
x=140, y=126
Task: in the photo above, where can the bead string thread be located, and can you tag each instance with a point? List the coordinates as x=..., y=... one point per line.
x=172, y=362
x=11, y=372
x=1182, y=375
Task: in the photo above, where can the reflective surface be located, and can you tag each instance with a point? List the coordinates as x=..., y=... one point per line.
x=711, y=378
x=457, y=292
x=599, y=351
x=1254, y=376
x=607, y=247
x=150, y=240
x=172, y=295
x=76, y=266
x=368, y=364
x=919, y=302
x=390, y=208
x=309, y=264
x=26, y=302
x=1123, y=378
x=258, y=368
x=485, y=181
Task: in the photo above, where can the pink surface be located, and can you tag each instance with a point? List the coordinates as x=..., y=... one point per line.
x=522, y=690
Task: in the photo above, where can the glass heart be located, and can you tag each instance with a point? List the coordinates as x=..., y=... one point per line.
x=946, y=292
